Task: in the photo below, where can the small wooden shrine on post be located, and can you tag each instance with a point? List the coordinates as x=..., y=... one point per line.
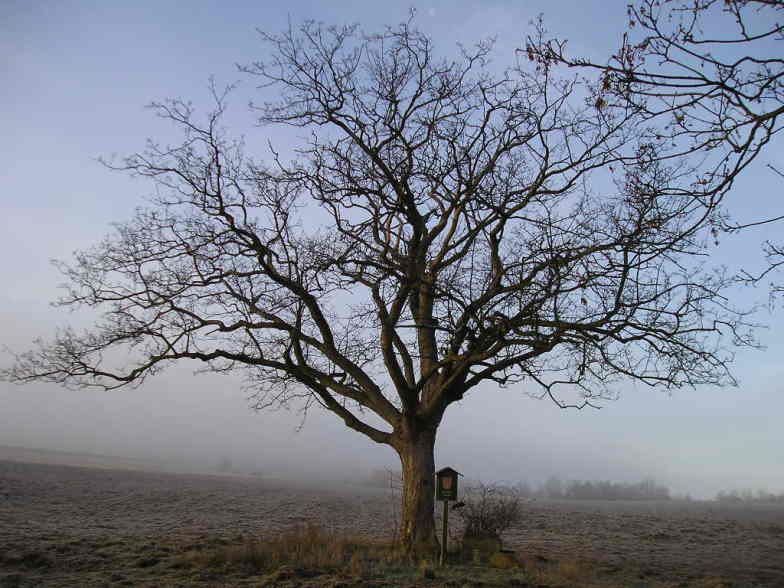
x=446, y=490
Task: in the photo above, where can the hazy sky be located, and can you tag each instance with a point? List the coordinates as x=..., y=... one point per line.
x=75, y=77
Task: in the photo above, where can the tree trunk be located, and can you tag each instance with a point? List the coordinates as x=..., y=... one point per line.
x=417, y=525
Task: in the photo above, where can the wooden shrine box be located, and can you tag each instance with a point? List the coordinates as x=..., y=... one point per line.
x=446, y=484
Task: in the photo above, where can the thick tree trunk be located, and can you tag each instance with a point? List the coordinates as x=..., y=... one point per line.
x=417, y=525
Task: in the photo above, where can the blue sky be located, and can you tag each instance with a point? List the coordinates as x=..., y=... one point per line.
x=75, y=79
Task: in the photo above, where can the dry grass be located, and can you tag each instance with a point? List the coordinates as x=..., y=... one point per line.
x=307, y=555
x=307, y=547
x=311, y=555
x=567, y=572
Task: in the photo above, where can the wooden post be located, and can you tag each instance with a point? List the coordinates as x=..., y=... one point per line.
x=444, y=532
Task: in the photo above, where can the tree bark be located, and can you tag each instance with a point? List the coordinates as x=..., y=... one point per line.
x=417, y=524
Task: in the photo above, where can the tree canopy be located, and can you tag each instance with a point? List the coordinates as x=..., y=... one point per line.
x=708, y=76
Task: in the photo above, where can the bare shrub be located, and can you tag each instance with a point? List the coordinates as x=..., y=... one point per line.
x=487, y=511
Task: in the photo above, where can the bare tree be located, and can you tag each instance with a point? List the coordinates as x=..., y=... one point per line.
x=708, y=75
x=443, y=227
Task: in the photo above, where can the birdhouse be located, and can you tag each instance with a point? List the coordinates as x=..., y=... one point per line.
x=446, y=484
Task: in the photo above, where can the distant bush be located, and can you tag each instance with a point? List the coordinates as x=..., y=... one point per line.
x=606, y=490
x=553, y=488
x=749, y=496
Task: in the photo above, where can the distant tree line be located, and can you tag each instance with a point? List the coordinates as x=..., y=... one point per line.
x=554, y=488
x=749, y=496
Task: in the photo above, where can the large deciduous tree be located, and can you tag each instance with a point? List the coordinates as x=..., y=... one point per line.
x=443, y=225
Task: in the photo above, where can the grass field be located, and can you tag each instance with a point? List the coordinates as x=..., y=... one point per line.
x=62, y=524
